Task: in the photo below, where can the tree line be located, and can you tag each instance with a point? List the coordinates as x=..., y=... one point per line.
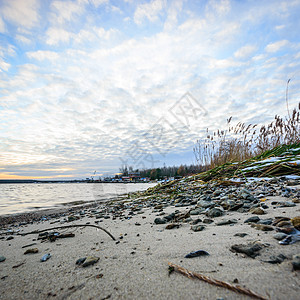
x=163, y=172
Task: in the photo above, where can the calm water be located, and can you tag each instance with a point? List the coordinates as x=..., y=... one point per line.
x=16, y=198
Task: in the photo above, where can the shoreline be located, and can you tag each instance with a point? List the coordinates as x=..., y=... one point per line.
x=135, y=266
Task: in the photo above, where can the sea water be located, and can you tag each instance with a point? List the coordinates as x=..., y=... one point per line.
x=19, y=198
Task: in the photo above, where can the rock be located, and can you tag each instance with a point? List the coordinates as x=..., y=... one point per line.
x=196, y=221
x=276, y=259
x=204, y=204
x=265, y=221
x=80, y=261
x=296, y=222
x=292, y=182
x=208, y=221
x=253, y=219
x=90, y=260
x=257, y=211
x=31, y=250
x=197, y=227
x=196, y=211
x=242, y=234
x=262, y=227
x=173, y=225
x=10, y=238
x=196, y=254
x=73, y=218
x=251, y=250
x=2, y=258
x=291, y=239
x=296, y=262
x=284, y=223
x=287, y=204
x=215, y=212
x=160, y=221
x=45, y=257
x=226, y=222
x=279, y=236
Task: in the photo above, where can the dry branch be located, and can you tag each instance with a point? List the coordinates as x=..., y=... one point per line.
x=237, y=289
x=68, y=226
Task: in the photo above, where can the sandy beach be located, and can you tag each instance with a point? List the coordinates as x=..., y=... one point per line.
x=135, y=265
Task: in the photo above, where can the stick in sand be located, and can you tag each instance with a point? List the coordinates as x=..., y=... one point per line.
x=216, y=282
x=69, y=226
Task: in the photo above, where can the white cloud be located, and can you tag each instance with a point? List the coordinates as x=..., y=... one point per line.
x=57, y=35
x=274, y=47
x=42, y=55
x=4, y=66
x=2, y=25
x=217, y=8
x=20, y=12
x=245, y=52
x=148, y=11
x=65, y=11
x=23, y=39
x=107, y=83
x=174, y=9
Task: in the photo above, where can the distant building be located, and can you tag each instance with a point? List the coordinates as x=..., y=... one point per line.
x=134, y=176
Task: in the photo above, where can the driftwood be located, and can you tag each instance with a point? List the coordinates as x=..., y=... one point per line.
x=235, y=288
x=68, y=226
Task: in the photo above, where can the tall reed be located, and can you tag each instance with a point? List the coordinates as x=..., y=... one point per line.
x=241, y=142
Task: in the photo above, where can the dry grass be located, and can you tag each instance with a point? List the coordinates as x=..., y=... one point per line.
x=241, y=142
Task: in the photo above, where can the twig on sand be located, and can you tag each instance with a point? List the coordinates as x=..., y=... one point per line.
x=69, y=226
x=237, y=289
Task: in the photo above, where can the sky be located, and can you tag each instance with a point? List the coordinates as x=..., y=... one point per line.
x=91, y=85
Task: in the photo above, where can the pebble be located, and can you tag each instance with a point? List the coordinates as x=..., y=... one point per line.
x=197, y=227
x=45, y=257
x=80, y=261
x=251, y=250
x=276, y=259
x=31, y=250
x=2, y=258
x=296, y=222
x=253, y=219
x=226, y=222
x=173, y=225
x=296, y=262
x=215, y=212
x=160, y=221
x=197, y=253
x=90, y=260
x=257, y=211
x=242, y=234
x=279, y=236
x=262, y=227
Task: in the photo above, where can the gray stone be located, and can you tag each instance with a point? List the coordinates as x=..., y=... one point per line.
x=204, y=204
x=215, y=212
x=160, y=221
x=254, y=219
x=296, y=262
x=208, y=221
x=226, y=222
x=278, y=259
x=2, y=258
x=265, y=221
x=279, y=236
x=251, y=250
x=197, y=227
x=196, y=211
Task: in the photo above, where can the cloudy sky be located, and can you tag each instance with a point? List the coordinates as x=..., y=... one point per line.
x=90, y=85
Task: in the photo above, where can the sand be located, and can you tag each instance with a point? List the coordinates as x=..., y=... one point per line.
x=136, y=266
